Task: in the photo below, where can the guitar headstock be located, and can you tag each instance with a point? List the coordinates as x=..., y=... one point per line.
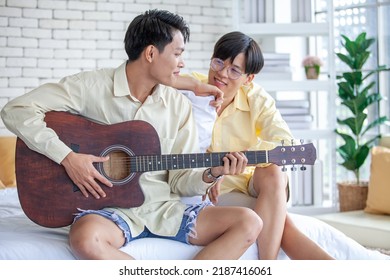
x=293, y=155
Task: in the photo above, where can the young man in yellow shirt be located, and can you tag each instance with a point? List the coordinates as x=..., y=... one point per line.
x=247, y=119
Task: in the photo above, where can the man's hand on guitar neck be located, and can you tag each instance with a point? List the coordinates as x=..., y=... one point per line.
x=83, y=173
x=233, y=164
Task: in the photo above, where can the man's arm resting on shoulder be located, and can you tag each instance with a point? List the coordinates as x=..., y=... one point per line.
x=199, y=88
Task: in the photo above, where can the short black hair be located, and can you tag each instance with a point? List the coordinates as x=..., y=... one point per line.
x=232, y=44
x=154, y=27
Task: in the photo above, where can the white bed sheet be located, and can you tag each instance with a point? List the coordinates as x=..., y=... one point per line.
x=22, y=239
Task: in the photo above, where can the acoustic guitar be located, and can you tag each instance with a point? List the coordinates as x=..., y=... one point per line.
x=50, y=198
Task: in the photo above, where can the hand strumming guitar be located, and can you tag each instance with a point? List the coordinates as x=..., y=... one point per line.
x=83, y=173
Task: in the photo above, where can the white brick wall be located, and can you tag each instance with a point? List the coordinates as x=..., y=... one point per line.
x=43, y=40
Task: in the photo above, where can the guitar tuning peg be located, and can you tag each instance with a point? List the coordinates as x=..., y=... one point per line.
x=292, y=142
x=284, y=169
x=303, y=168
x=282, y=142
x=293, y=168
x=301, y=141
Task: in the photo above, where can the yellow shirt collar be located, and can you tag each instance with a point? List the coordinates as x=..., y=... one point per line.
x=241, y=100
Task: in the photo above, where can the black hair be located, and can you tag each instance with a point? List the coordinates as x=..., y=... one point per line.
x=154, y=27
x=232, y=44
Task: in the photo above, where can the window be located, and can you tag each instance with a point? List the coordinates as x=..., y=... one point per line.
x=327, y=20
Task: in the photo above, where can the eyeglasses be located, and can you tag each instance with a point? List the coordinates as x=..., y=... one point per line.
x=233, y=72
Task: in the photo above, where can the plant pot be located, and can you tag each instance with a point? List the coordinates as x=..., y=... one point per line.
x=312, y=72
x=352, y=196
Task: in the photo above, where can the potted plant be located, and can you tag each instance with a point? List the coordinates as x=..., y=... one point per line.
x=357, y=94
x=312, y=65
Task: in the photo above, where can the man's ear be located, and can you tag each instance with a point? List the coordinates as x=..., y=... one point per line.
x=249, y=79
x=150, y=53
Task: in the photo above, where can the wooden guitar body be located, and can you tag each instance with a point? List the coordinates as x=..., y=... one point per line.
x=49, y=197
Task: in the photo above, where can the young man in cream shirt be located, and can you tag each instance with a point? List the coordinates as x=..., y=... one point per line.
x=137, y=90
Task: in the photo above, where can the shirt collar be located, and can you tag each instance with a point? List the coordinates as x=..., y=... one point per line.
x=241, y=99
x=121, y=87
x=158, y=95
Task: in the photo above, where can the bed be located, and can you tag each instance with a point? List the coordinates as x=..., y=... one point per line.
x=21, y=239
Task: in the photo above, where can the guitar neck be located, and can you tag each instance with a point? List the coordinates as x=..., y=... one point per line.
x=147, y=163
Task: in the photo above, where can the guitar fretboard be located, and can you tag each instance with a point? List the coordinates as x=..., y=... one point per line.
x=147, y=163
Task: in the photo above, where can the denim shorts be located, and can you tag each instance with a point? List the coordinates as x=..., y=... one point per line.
x=186, y=230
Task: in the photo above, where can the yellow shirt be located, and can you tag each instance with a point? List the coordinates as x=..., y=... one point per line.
x=251, y=122
x=104, y=97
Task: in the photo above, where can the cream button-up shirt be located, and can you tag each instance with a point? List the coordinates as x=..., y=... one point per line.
x=103, y=96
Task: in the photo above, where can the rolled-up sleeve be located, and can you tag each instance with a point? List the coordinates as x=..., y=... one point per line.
x=24, y=115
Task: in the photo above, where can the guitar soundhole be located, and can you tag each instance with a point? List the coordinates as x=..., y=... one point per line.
x=117, y=168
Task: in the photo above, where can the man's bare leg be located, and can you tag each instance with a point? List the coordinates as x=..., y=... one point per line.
x=94, y=237
x=226, y=232
x=270, y=184
x=298, y=246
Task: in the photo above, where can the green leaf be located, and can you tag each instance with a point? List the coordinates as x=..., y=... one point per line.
x=348, y=149
x=346, y=137
x=351, y=47
x=346, y=59
x=345, y=90
x=360, y=60
x=354, y=123
x=354, y=160
x=345, y=37
x=361, y=102
x=377, y=70
x=372, y=141
x=372, y=98
x=361, y=38
x=378, y=121
x=353, y=78
x=357, y=104
x=366, y=44
x=349, y=165
x=362, y=42
x=368, y=87
x=361, y=155
x=350, y=104
x=345, y=153
x=382, y=68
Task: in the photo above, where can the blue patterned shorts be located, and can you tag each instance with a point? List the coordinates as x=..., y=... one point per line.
x=186, y=229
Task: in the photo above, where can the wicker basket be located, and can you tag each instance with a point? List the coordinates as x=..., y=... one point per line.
x=352, y=196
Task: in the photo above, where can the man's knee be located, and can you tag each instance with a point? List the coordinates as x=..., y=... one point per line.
x=251, y=224
x=87, y=237
x=270, y=179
